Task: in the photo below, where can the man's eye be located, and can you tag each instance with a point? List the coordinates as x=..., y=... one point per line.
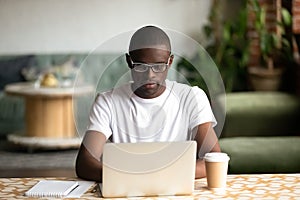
x=160, y=66
x=141, y=66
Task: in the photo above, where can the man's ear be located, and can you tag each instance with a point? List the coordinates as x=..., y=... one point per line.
x=171, y=60
x=128, y=60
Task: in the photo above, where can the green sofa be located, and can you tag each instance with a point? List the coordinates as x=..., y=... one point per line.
x=261, y=133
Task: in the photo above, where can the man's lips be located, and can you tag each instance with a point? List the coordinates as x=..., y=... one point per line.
x=150, y=85
x=147, y=84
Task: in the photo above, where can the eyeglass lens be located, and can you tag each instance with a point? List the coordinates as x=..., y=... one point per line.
x=155, y=67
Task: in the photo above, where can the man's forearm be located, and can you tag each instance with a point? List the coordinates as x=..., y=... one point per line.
x=87, y=167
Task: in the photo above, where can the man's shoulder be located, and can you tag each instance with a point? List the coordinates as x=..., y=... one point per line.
x=182, y=88
x=119, y=91
x=177, y=85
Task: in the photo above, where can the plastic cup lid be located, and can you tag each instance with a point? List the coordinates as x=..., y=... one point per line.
x=216, y=157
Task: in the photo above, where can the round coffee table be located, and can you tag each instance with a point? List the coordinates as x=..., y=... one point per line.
x=49, y=115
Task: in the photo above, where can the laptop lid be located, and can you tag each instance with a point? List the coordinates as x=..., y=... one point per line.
x=148, y=169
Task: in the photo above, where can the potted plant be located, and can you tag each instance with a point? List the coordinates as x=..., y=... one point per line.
x=267, y=75
x=227, y=45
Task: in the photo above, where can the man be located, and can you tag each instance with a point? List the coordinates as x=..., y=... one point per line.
x=149, y=109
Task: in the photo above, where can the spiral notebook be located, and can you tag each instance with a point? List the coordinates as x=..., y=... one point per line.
x=52, y=188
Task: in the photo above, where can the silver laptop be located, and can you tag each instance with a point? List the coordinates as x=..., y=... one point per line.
x=148, y=169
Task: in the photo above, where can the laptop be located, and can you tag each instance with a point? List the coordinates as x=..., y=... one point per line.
x=148, y=169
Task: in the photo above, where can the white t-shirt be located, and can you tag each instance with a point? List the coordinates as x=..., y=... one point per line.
x=169, y=117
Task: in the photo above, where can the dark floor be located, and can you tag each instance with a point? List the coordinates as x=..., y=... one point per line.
x=16, y=161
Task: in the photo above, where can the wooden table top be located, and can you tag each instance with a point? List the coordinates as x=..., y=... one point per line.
x=256, y=186
x=29, y=89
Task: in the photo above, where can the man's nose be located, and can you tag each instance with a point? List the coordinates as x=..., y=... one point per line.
x=150, y=73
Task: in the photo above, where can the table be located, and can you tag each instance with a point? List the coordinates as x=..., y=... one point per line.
x=257, y=186
x=48, y=113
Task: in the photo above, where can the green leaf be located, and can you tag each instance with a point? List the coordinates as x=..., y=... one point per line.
x=286, y=17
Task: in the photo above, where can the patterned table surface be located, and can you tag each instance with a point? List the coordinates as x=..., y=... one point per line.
x=260, y=186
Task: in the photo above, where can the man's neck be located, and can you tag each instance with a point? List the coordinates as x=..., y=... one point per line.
x=149, y=95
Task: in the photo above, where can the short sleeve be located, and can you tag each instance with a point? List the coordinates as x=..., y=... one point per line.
x=100, y=116
x=199, y=108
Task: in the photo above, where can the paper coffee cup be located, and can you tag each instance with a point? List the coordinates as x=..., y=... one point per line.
x=216, y=165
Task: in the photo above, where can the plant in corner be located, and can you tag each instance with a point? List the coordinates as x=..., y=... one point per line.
x=227, y=45
x=267, y=75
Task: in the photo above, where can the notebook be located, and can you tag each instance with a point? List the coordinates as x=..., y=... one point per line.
x=51, y=188
x=148, y=169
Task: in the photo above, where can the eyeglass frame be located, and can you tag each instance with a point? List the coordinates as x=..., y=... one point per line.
x=151, y=65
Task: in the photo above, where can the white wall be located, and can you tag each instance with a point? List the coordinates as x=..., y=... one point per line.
x=58, y=26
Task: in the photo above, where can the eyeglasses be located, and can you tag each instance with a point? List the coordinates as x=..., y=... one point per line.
x=156, y=67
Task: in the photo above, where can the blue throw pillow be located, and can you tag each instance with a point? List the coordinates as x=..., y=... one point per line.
x=10, y=69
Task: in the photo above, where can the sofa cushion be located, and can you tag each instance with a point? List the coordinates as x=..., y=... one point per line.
x=12, y=113
x=262, y=154
x=11, y=67
x=261, y=114
x=12, y=107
